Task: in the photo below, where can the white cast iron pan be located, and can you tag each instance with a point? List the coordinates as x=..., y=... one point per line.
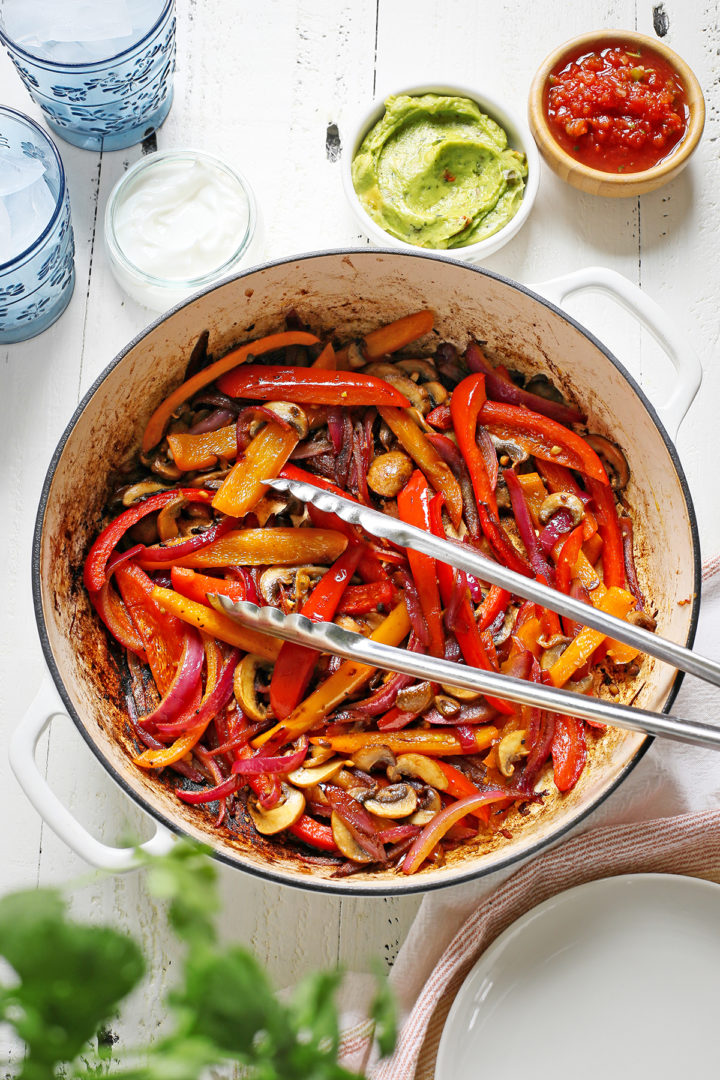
x=350, y=292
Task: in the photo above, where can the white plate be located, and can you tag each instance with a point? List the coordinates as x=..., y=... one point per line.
x=618, y=978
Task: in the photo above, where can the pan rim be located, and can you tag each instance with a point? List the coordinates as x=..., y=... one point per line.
x=346, y=887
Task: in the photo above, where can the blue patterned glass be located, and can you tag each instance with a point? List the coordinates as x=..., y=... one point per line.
x=36, y=283
x=106, y=104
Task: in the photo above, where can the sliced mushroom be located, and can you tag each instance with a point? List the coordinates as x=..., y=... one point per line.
x=374, y=757
x=292, y=414
x=506, y=446
x=415, y=698
x=508, y=625
x=288, y=810
x=299, y=578
x=562, y=500
x=509, y=749
x=244, y=686
x=415, y=394
x=420, y=767
x=544, y=388
x=355, y=357
x=347, y=843
x=642, y=619
x=167, y=523
x=161, y=466
x=389, y=473
x=580, y=686
x=613, y=457
x=139, y=491
x=436, y=392
x=318, y=755
x=553, y=651
x=461, y=694
x=418, y=366
x=318, y=774
x=393, y=801
x=429, y=804
x=447, y=706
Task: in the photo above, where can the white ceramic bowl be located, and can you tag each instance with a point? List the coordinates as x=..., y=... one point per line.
x=519, y=138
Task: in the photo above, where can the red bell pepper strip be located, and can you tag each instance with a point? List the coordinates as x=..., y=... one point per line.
x=569, y=553
x=613, y=556
x=493, y=605
x=542, y=437
x=440, y=418
x=501, y=543
x=459, y=786
x=466, y=631
x=413, y=504
x=112, y=534
x=114, y=614
x=158, y=420
x=196, y=586
x=559, y=478
x=313, y=833
x=466, y=404
x=359, y=599
x=295, y=663
x=316, y=386
x=569, y=751
x=162, y=635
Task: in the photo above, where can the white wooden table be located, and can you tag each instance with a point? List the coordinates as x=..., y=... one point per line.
x=262, y=85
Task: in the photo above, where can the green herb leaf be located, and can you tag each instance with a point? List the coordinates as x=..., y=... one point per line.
x=188, y=880
x=71, y=977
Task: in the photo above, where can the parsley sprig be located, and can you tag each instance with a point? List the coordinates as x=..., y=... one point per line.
x=72, y=977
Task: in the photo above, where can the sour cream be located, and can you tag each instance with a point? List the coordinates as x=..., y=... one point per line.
x=177, y=221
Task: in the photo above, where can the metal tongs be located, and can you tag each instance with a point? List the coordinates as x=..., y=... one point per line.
x=327, y=637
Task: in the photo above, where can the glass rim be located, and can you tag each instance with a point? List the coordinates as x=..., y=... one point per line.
x=89, y=65
x=116, y=250
x=6, y=110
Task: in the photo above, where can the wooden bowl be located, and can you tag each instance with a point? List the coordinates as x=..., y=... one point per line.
x=595, y=181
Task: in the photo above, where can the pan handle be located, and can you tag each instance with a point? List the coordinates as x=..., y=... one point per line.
x=23, y=745
x=670, y=338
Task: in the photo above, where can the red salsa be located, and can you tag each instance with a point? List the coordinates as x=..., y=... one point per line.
x=617, y=109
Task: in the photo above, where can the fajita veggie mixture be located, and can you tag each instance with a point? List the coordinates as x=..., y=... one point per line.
x=369, y=769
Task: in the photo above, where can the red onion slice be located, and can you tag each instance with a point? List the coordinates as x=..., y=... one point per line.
x=184, y=683
x=213, y=704
x=262, y=765
x=167, y=552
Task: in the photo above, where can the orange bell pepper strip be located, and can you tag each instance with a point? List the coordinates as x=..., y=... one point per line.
x=327, y=360
x=271, y=547
x=592, y=548
x=426, y=457
x=409, y=741
x=535, y=494
x=613, y=558
x=315, y=386
x=413, y=504
x=615, y=602
x=466, y=403
x=159, y=419
x=348, y=678
x=158, y=759
x=296, y=663
x=242, y=488
x=190, y=452
x=215, y=624
x=584, y=572
x=396, y=335
x=543, y=438
x=161, y=633
x=196, y=586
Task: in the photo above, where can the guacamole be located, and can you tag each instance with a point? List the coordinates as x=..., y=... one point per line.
x=437, y=172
